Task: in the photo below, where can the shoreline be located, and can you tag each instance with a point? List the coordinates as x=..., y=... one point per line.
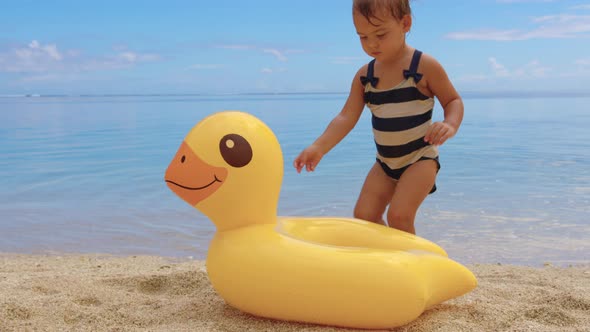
x=133, y=293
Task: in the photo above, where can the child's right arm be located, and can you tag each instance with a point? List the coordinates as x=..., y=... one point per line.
x=338, y=128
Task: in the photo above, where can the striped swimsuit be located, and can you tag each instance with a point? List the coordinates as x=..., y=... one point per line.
x=401, y=117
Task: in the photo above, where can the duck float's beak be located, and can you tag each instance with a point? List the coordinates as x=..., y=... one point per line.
x=189, y=177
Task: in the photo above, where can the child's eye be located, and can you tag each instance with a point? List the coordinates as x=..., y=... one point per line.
x=363, y=37
x=381, y=35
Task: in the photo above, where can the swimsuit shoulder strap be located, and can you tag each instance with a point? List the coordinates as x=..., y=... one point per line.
x=370, y=78
x=413, y=71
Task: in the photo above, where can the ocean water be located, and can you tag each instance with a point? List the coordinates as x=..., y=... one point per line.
x=85, y=175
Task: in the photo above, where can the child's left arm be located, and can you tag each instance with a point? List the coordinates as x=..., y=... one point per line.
x=441, y=87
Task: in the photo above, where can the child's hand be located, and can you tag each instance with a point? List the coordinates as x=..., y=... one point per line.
x=309, y=158
x=439, y=132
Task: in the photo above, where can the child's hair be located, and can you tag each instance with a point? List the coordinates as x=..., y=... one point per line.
x=369, y=8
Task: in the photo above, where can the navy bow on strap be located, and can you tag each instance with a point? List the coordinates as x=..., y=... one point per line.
x=417, y=76
x=373, y=80
x=413, y=71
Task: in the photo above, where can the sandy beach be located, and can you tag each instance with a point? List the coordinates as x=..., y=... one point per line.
x=138, y=293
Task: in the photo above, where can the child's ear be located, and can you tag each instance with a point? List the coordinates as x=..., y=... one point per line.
x=407, y=23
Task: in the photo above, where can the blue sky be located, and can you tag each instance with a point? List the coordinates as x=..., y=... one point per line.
x=223, y=46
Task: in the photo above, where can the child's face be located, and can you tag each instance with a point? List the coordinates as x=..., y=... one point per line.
x=383, y=40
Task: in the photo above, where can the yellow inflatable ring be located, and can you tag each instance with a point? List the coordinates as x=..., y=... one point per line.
x=331, y=271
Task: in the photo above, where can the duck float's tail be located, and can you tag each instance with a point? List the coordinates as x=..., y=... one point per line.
x=443, y=278
x=260, y=271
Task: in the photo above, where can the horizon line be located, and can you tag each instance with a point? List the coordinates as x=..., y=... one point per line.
x=464, y=94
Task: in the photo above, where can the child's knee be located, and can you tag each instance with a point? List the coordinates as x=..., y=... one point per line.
x=366, y=214
x=359, y=213
x=400, y=219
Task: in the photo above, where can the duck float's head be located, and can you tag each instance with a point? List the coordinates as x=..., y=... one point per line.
x=229, y=167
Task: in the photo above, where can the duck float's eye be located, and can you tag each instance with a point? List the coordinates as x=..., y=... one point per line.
x=235, y=150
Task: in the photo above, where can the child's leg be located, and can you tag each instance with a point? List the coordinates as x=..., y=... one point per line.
x=375, y=195
x=411, y=190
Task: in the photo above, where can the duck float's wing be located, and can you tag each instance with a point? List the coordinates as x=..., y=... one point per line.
x=262, y=272
x=348, y=232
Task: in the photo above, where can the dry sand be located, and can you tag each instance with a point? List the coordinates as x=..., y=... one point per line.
x=104, y=293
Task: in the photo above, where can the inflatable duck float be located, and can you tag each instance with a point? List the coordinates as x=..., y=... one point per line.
x=331, y=271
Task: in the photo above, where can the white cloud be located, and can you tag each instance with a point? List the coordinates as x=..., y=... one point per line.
x=128, y=56
x=533, y=69
x=267, y=70
x=580, y=7
x=47, y=61
x=499, y=35
x=133, y=57
x=237, y=47
x=583, y=62
x=278, y=54
x=281, y=55
x=33, y=57
x=523, y=1
x=498, y=68
x=529, y=71
x=49, y=50
x=206, y=66
x=551, y=26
